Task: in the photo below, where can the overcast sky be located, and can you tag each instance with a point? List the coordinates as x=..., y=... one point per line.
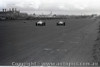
x=56, y=6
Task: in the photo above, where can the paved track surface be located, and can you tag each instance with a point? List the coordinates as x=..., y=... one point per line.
x=24, y=42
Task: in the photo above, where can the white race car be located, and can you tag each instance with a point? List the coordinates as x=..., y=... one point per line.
x=61, y=23
x=40, y=23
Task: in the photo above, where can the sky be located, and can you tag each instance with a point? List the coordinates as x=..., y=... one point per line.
x=56, y=6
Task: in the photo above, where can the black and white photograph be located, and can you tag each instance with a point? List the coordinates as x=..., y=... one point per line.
x=50, y=33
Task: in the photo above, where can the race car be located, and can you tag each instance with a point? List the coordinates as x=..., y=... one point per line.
x=61, y=23
x=40, y=23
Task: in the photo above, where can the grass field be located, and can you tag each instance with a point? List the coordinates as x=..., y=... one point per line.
x=21, y=42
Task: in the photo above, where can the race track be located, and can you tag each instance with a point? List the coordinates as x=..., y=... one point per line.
x=25, y=42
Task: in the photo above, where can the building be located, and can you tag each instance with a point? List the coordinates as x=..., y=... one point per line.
x=12, y=14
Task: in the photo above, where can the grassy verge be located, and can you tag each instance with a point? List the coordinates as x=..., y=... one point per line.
x=96, y=48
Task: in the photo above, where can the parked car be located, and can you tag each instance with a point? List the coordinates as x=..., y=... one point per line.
x=2, y=18
x=40, y=23
x=61, y=23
